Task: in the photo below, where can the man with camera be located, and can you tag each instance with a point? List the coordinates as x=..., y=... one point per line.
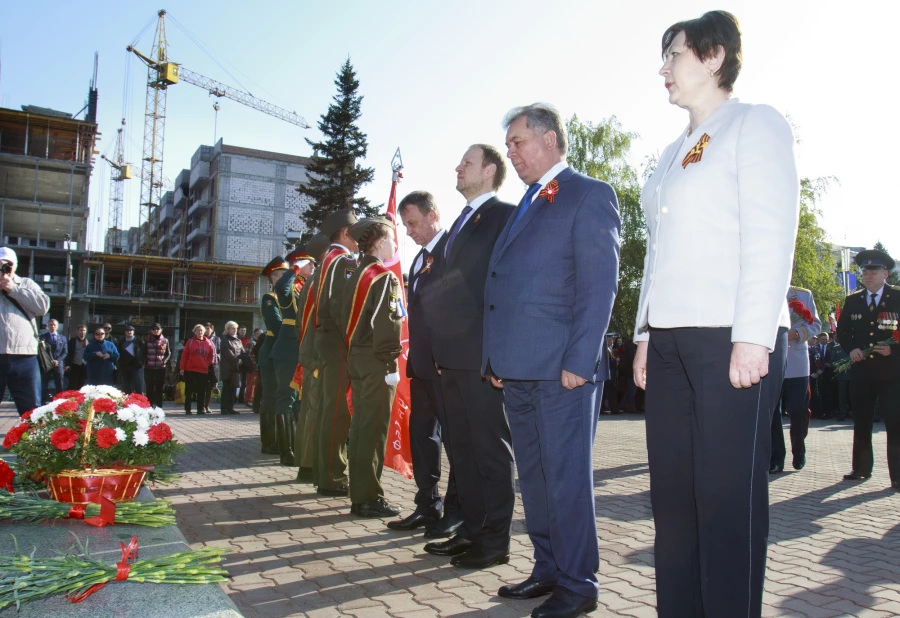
x=21, y=301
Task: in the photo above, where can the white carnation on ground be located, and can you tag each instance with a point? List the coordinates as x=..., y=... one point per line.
x=120, y=434
x=140, y=438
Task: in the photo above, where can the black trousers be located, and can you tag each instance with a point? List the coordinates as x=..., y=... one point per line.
x=795, y=401
x=55, y=376
x=482, y=457
x=708, y=449
x=77, y=375
x=132, y=379
x=195, y=383
x=427, y=432
x=226, y=405
x=865, y=394
x=156, y=379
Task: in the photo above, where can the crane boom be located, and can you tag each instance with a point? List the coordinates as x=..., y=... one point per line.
x=245, y=98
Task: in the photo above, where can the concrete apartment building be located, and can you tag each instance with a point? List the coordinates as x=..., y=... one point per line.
x=234, y=205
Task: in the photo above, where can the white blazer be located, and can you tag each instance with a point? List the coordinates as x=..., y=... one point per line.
x=721, y=230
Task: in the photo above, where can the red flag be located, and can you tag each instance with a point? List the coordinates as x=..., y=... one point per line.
x=397, y=453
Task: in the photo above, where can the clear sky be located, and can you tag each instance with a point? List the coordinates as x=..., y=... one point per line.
x=439, y=76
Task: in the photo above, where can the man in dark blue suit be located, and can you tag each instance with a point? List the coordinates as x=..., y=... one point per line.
x=59, y=349
x=427, y=421
x=479, y=433
x=549, y=295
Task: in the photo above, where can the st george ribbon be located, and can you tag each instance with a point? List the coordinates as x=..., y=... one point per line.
x=397, y=453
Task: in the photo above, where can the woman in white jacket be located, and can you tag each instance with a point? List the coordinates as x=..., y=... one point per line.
x=721, y=212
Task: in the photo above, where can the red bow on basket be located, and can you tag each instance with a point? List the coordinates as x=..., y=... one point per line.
x=549, y=192
x=129, y=555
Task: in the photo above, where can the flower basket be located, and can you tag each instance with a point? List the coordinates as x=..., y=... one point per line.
x=87, y=486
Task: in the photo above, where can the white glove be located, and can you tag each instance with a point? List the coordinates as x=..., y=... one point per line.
x=392, y=379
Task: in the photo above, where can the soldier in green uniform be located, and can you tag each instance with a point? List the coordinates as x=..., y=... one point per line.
x=310, y=398
x=284, y=356
x=868, y=319
x=373, y=314
x=272, y=317
x=333, y=424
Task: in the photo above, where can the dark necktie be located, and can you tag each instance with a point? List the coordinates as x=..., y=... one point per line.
x=425, y=254
x=454, y=231
x=872, y=303
x=525, y=203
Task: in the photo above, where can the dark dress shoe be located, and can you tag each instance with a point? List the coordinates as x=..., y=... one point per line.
x=354, y=509
x=564, y=604
x=379, y=507
x=305, y=475
x=799, y=462
x=444, y=528
x=480, y=558
x=416, y=520
x=451, y=547
x=528, y=589
x=776, y=468
x=895, y=485
x=856, y=476
x=337, y=491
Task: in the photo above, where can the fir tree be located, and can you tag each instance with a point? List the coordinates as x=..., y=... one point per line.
x=334, y=174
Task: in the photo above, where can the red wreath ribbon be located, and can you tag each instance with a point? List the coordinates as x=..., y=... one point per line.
x=123, y=569
x=549, y=192
x=107, y=513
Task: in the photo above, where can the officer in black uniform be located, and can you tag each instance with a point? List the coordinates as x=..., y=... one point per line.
x=869, y=317
x=272, y=316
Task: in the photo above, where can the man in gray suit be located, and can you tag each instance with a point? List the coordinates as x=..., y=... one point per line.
x=795, y=388
x=549, y=295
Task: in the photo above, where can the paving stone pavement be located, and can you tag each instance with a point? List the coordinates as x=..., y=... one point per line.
x=834, y=546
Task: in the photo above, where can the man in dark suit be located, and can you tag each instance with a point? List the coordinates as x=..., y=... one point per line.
x=549, y=295
x=870, y=317
x=59, y=349
x=75, y=367
x=479, y=433
x=427, y=421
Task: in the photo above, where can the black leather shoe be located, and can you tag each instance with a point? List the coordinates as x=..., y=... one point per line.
x=799, y=462
x=895, y=485
x=776, y=468
x=564, y=604
x=444, y=528
x=528, y=589
x=480, y=558
x=855, y=476
x=379, y=507
x=354, y=509
x=337, y=491
x=416, y=520
x=452, y=547
x=189, y=412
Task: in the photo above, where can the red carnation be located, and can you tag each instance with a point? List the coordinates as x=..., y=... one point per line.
x=64, y=438
x=896, y=336
x=26, y=416
x=160, y=433
x=79, y=397
x=106, y=437
x=82, y=422
x=14, y=435
x=104, y=405
x=137, y=400
x=66, y=406
x=6, y=476
x=807, y=316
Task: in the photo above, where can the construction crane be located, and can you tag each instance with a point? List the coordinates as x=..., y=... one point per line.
x=162, y=73
x=116, y=191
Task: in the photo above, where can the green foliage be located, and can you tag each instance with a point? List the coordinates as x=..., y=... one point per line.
x=814, y=264
x=893, y=276
x=334, y=174
x=601, y=151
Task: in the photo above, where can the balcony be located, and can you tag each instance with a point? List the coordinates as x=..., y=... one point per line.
x=199, y=175
x=173, y=252
x=198, y=232
x=176, y=225
x=197, y=206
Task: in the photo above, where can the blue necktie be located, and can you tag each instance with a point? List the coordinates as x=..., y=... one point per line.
x=457, y=225
x=525, y=203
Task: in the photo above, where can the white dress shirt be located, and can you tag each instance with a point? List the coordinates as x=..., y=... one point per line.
x=417, y=265
x=721, y=230
x=877, y=295
x=476, y=204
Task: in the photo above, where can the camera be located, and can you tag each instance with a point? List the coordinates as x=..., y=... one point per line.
x=6, y=269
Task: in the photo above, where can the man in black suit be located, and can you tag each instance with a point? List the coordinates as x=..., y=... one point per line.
x=75, y=369
x=870, y=317
x=59, y=349
x=479, y=432
x=427, y=421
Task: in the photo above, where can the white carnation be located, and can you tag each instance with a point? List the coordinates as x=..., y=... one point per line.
x=120, y=434
x=143, y=422
x=158, y=413
x=125, y=414
x=140, y=438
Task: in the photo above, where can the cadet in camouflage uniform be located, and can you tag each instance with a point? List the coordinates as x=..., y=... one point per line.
x=373, y=314
x=333, y=424
x=272, y=316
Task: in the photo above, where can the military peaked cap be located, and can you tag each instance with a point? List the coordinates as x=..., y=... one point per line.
x=336, y=220
x=362, y=225
x=276, y=263
x=874, y=257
